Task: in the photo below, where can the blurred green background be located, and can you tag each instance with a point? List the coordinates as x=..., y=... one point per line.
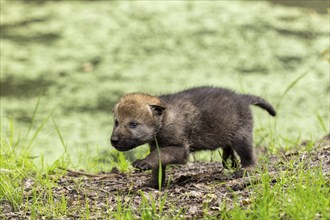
x=79, y=57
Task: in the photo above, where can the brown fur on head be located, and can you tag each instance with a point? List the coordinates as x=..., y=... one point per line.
x=138, y=117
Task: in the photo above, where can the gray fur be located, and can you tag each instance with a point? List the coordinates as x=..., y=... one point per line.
x=202, y=118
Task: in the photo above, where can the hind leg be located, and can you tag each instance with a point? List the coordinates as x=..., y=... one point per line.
x=228, y=154
x=243, y=146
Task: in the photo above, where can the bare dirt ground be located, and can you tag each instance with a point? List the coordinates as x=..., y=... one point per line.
x=190, y=189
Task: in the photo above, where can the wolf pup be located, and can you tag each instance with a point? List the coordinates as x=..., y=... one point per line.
x=202, y=118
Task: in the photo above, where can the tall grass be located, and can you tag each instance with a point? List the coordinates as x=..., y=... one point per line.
x=17, y=168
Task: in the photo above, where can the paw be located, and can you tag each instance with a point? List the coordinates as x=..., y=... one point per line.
x=239, y=174
x=142, y=165
x=150, y=184
x=244, y=172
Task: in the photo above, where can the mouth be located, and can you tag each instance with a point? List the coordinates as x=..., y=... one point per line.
x=124, y=147
x=119, y=148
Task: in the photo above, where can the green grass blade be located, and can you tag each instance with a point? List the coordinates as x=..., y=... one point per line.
x=160, y=171
x=290, y=86
x=33, y=117
x=38, y=130
x=322, y=124
x=60, y=135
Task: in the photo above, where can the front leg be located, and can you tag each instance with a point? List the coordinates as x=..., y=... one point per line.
x=168, y=155
x=142, y=164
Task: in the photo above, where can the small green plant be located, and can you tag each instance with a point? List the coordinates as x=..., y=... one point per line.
x=152, y=208
x=322, y=124
x=160, y=167
x=87, y=210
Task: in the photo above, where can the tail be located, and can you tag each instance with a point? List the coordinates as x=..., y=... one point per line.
x=258, y=101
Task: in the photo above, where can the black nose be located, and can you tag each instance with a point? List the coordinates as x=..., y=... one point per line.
x=114, y=140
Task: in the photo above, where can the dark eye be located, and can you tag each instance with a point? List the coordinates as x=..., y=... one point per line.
x=116, y=123
x=133, y=125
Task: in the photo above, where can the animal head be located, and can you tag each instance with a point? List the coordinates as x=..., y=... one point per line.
x=137, y=119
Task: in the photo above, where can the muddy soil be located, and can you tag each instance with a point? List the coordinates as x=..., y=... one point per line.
x=190, y=188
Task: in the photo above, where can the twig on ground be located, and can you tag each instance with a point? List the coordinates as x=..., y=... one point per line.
x=80, y=173
x=101, y=176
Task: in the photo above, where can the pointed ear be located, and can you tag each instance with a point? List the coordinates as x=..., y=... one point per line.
x=114, y=108
x=157, y=109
